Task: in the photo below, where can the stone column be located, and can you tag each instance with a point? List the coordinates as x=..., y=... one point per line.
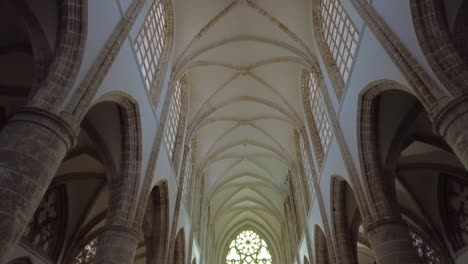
x=117, y=245
x=391, y=242
x=32, y=146
x=451, y=123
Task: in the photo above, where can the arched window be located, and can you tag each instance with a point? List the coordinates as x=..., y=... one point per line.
x=187, y=178
x=174, y=118
x=317, y=118
x=87, y=253
x=150, y=41
x=306, y=165
x=47, y=228
x=338, y=38
x=248, y=248
x=425, y=251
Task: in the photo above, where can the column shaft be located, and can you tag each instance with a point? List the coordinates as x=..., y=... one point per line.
x=117, y=245
x=32, y=146
x=391, y=243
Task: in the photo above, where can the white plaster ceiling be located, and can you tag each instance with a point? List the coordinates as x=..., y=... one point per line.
x=243, y=62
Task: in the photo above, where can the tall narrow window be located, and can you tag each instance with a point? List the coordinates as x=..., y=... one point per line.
x=172, y=127
x=340, y=35
x=149, y=42
x=319, y=123
x=187, y=178
x=306, y=166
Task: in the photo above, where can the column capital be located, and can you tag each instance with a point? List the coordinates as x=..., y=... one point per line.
x=393, y=220
x=134, y=233
x=51, y=121
x=448, y=114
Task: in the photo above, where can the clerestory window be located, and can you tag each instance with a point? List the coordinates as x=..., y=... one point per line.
x=149, y=43
x=340, y=35
x=172, y=127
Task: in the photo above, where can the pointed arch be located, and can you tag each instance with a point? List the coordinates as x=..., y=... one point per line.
x=156, y=223
x=321, y=247
x=179, y=248
x=124, y=188
x=368, y=149
x=341, y=221
x=337, y=44
x=153, y=45
x=63, y=69
x=437, y=45
x=176, y=120
x=318, y=121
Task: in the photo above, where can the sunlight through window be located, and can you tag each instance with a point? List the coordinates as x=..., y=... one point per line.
x=248, y=248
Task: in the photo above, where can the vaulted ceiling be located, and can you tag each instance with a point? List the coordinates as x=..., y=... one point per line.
x=243, y=60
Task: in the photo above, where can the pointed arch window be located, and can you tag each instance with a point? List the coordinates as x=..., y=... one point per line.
x=306, y=166
x=87, y=253
x=150, y=42
x=317, y=118
x=187, y=178
x=338, y=39
x=425, y=251
x=174, y=119
x=248, y=248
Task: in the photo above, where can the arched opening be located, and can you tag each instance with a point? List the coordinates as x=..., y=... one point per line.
x=441, y=30
x=155, y=226
x=26, y=51
x=179, y=248
x=94, y=176
x=352, y=242
x=406, y=153
x=321, y=247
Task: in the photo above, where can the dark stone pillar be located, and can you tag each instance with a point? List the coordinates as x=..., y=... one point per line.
x=117, y=245
x=451, y=123
x=32, y=146
x=391, y=242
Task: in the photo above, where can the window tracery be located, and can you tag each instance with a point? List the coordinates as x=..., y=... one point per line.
x=319, y=123
x=248, y=248
x=340, y=35
x=187, y=177
x=48, y=223
x=454, y=209
x=149, y=42
x=425, y=251
x=87, y=253
x=170, y=134
x=306, y=165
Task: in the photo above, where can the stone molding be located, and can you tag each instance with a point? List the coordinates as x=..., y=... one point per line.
x=51, y=121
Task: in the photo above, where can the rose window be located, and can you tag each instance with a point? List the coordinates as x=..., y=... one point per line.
x=248, y=248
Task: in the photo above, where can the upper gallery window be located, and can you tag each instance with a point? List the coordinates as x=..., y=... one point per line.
x=319, y=123
x=149, y=42
x=249, y=248
x=306, y=165
x=172, y=127
x=187, y=178
x=340, y=35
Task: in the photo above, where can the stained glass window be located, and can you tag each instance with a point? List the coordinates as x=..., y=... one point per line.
x=87, y=254
x=425, y=252
x=248, y=248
